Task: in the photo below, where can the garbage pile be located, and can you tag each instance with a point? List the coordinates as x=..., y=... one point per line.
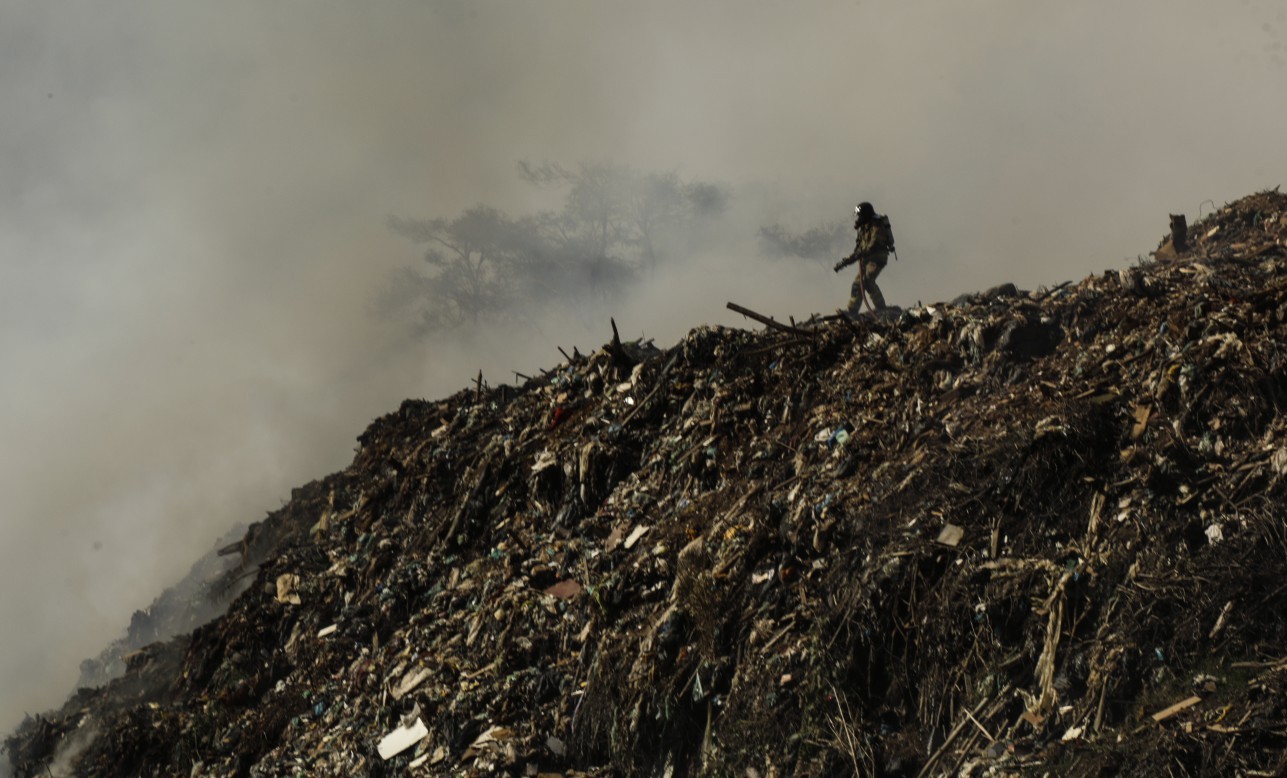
x=1026, y=532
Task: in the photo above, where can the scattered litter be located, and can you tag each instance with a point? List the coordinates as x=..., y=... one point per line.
x=288, y=589
x=401, y=739
x=635, y=534
x=737, y=563
x=409, y=682
x=1182, y=705
x=565, y=590
x=950, y=535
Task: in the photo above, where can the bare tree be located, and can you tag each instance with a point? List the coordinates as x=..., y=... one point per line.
x=469, y=257
x=483, y=263
x=614, y=207
x=656, y=202
x=823, y=242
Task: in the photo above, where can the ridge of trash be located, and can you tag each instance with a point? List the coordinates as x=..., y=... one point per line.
x=1025, y=531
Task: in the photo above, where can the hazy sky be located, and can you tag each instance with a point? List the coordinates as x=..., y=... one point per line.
x=193, y=199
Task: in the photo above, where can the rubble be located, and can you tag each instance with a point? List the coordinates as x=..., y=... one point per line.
x=1023, y=532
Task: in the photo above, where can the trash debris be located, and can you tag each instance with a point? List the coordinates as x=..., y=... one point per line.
x=1182, y=705
x=950, y=535
x=288, y=589
x=401, y=739
x=1008, y=534
x=634, y=536
x=565, y=589
x=409, y=682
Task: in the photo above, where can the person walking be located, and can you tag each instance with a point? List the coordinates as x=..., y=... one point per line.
x=871, y=252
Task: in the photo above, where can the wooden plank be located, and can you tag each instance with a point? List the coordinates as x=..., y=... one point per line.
x=1182, y=705
x=768, y=322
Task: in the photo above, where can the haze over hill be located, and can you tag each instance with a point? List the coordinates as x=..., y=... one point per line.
x=192, y=217
x=1033, y=531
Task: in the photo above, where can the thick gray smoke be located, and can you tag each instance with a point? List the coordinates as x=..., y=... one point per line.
x=194, y=199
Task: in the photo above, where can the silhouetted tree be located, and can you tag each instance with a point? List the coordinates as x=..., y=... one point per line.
x=619, y=208
x=827, y=241
x=471, y=258
x=483, y=263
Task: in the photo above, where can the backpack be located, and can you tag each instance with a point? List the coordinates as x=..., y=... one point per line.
x=886, y=234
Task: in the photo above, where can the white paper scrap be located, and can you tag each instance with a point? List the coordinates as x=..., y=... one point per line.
x=401, y=739
x=635, y=534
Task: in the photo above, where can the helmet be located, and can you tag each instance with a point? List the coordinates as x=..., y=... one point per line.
x=863, y=214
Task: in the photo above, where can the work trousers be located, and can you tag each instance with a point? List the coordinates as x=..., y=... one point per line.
x=871, y=266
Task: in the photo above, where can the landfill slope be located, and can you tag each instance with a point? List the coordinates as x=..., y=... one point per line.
x=1017, y=534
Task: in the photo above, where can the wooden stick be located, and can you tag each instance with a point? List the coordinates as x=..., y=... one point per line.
x=950, y=737
x=1167, y=713
x=768, y=322
x=619, y=356
x=982, y=729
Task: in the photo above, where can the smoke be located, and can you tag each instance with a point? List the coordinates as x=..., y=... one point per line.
x=194, y=198
x=81, y=738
